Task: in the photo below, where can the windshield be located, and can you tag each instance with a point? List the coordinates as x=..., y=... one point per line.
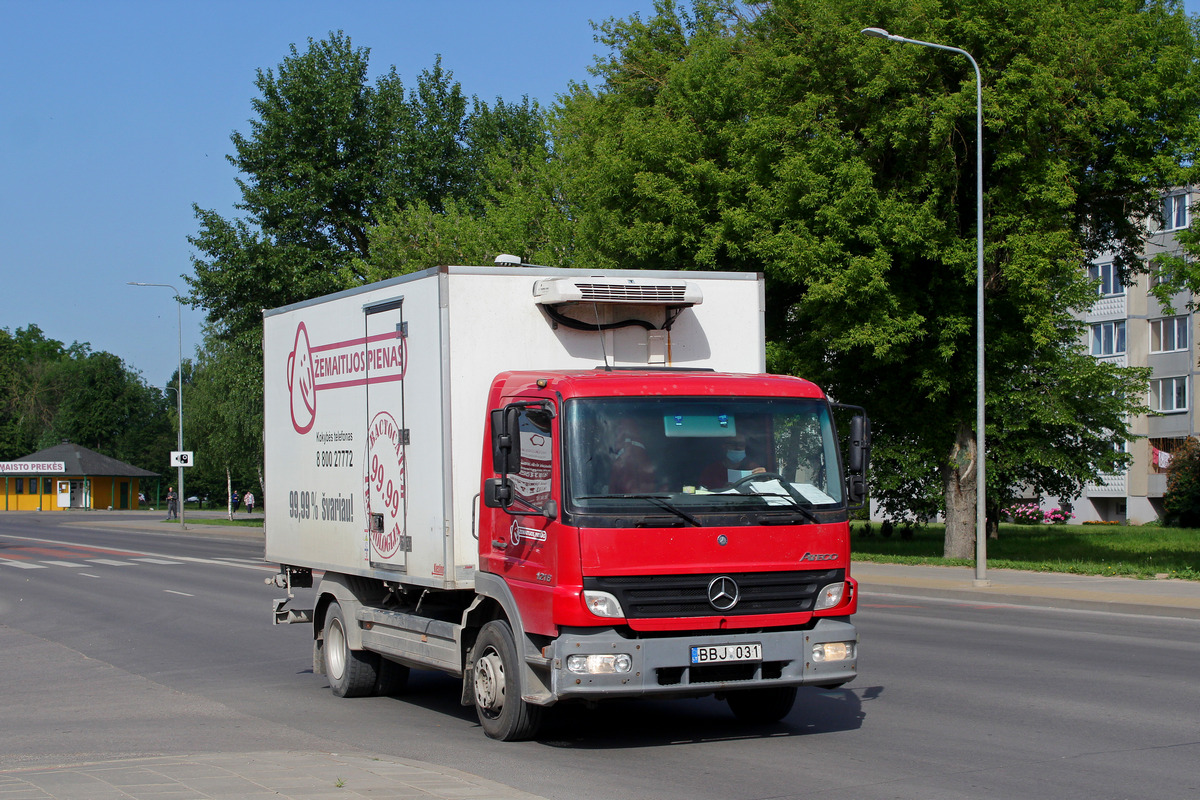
x=689, y=455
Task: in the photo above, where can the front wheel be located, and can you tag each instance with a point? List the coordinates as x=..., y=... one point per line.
x=762, y=705
x=351, y=673
x=496, y=672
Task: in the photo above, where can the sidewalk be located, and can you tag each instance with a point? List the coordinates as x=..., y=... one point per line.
x=231, y=776
x=1164, y=598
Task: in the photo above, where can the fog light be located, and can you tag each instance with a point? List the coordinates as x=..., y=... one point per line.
x=603, y=604
x=833, y=651
x=599, y=664
x=830, y=596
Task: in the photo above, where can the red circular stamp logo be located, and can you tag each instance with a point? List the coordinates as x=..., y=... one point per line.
x=383, y=483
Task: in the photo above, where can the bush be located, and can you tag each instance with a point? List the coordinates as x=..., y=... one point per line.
x=1181, y=503
x=1025, y=514
x=1056, y=516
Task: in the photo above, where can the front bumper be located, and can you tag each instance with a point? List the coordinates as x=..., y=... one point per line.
x=662, y=666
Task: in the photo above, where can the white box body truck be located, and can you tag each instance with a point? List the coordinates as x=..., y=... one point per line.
x=442, y=448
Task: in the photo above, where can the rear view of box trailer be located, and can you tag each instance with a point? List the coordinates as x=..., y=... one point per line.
x=428, y=442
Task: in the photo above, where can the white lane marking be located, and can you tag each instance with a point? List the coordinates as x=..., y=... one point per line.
x=21, y=564
x=89, y=575
x=110, y=562
x=64, y=563
x=258, y=565
x=157, y=561
x=182, y=594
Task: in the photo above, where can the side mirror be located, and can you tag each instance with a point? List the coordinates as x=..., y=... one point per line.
x=506, y=440
x=860, y=444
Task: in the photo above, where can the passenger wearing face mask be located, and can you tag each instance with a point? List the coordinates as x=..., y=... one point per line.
x=733, y=466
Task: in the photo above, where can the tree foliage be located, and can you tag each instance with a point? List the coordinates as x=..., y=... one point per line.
x=1181, y=503
x=773, y=136
x=52, y=392
x=326, y=153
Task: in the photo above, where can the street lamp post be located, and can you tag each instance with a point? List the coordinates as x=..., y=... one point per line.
x=980, y=468
x=178, y=391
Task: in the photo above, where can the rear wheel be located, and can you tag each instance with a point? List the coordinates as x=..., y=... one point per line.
x=496, y=673
x=762, y=705
x=351, y=673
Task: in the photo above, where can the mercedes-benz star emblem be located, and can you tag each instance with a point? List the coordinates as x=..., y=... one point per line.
x=723, y=593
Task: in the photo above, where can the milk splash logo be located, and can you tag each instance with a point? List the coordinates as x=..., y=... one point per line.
x=383, y=483
x=380, y=358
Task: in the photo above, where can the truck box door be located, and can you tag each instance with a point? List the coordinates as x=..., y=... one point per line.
x=386, y=489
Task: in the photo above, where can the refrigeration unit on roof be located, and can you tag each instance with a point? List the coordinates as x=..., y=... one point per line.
x=628, y=291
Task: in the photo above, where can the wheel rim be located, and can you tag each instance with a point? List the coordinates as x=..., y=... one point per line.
x=489, y=682
x=335, y=649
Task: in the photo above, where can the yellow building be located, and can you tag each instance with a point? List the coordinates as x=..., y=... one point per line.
x=69, y=476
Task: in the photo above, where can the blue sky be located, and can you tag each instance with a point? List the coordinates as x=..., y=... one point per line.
x=115, y=117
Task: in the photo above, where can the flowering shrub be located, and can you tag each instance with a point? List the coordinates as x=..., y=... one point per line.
x=1031, y=514
x=1024, y=514
x=1056, y=516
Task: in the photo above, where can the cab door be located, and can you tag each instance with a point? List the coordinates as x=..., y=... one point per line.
x=522, y=548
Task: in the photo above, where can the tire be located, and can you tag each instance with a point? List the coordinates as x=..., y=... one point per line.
x=351, y=673
x=762, y=705
x=496, y=672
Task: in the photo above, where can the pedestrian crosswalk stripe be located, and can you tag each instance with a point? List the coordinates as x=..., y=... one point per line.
x=156, y=561
x=65, y=563
x=109, y=562
x=22, y=565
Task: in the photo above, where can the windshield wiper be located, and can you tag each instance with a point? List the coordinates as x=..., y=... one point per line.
x=795, y=503
x=786, y=515
x=658, y=500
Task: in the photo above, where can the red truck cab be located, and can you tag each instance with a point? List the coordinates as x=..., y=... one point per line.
x=666, y=533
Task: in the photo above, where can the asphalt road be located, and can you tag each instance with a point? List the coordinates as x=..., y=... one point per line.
x=107, y=651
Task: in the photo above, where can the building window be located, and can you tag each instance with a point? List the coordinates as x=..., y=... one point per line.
x=1175, y=212
x=1162, y=450
x=1168, y=335
x=1168, y=394
x=47, y=486
x=1108, y=280
x=1108, y=338
x=20, y=485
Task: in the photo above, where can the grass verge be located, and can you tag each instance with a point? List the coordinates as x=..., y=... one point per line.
x=1145, y=552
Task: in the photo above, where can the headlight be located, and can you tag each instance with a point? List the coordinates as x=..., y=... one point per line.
x=830, y=596
x=833, y=651
x=599, y=664
x=602, y=604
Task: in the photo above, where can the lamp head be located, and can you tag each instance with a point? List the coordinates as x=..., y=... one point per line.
x=877, y=33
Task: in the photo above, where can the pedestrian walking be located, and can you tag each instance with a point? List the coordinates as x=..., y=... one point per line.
x=237, y=500
x=249, y=499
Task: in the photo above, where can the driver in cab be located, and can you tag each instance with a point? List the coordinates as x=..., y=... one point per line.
x=733, y=466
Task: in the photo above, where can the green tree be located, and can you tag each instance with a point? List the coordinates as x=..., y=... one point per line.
x=325, y=154
x=1181, y=503
x=52, y=392
x=773, y=136
x=224, y=422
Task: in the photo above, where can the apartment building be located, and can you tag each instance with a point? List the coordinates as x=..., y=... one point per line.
x=1128, y=325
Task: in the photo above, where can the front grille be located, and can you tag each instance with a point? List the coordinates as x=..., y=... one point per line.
x=653, y=596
